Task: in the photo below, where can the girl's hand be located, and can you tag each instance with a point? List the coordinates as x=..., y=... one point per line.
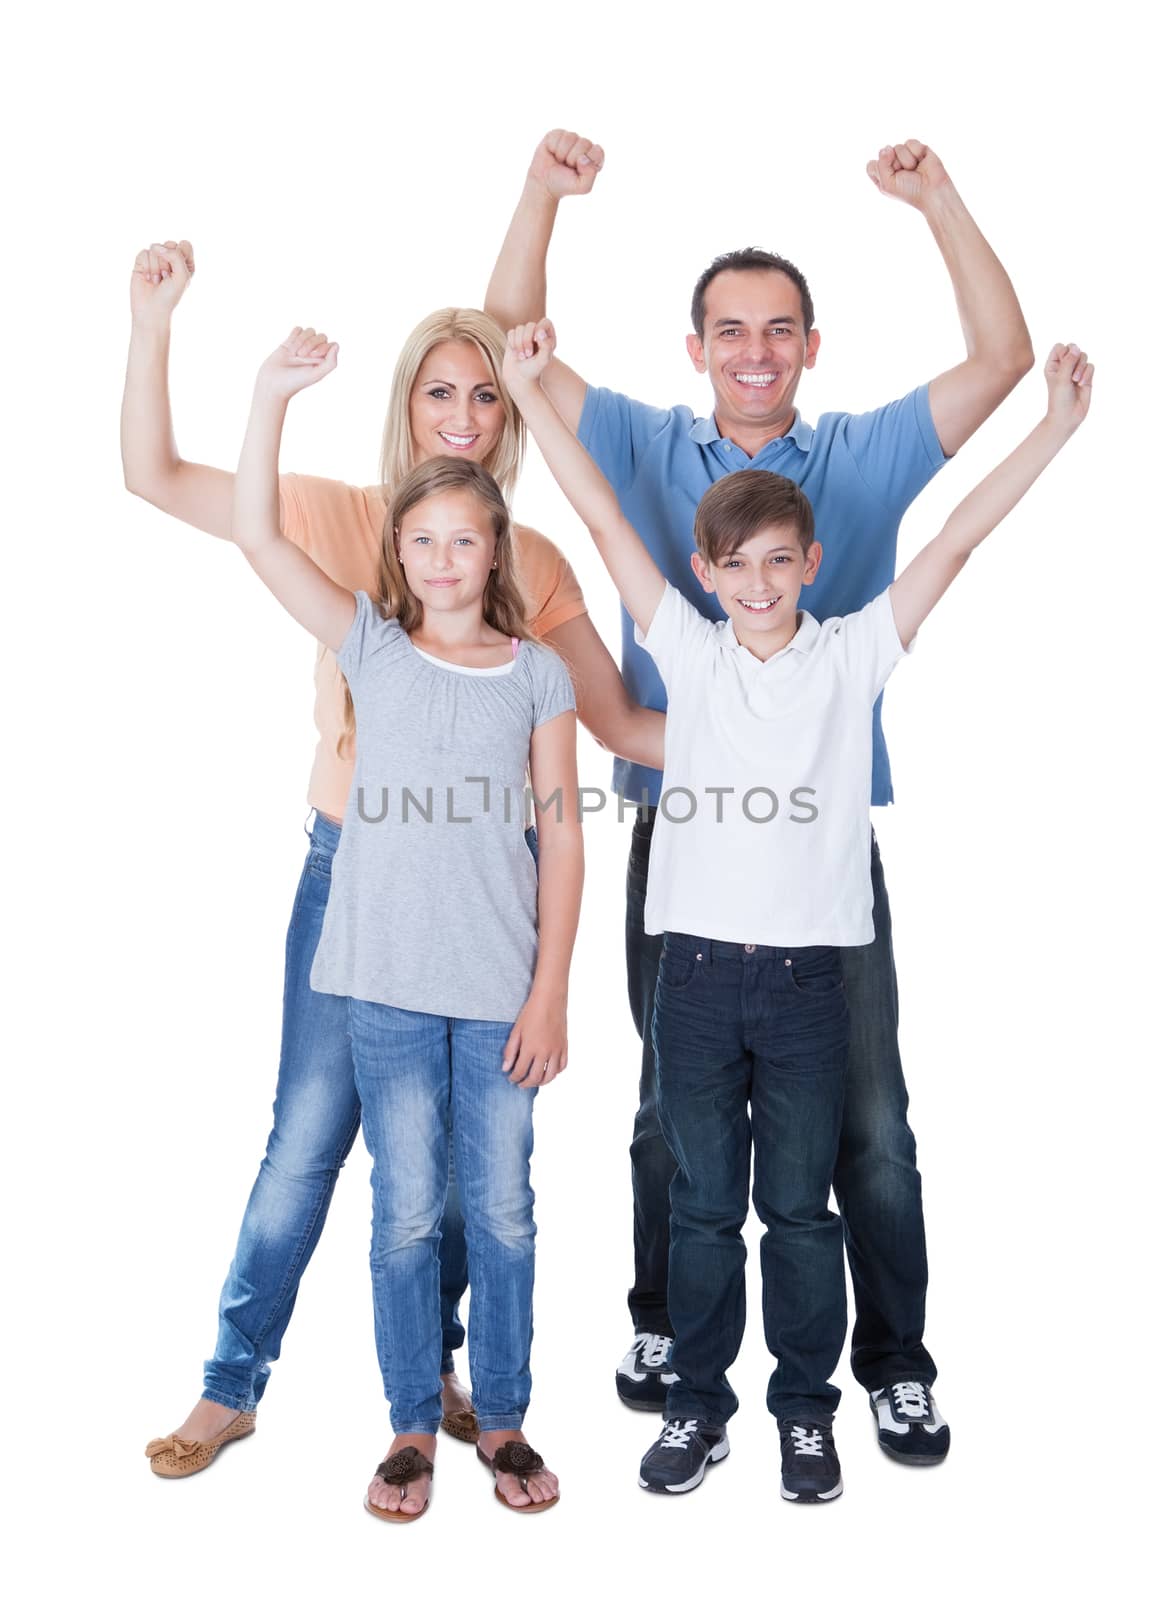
x=537, y=1050
x=304, y=358
x=565, y=164
x=159, y=281
x=529, y=349
x=1068, y=385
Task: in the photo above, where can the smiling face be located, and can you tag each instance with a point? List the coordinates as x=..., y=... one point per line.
x=446, y=545
x=758, y=585
x=455, y=404
x=754, y=348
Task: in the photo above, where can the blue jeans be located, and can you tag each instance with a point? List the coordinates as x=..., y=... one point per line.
x=426, y=1082
x=877, y=1186
x=315, y=1120
x=752, y=1049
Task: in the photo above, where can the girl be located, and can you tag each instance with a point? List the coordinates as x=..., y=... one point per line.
x=446, y=402
x=449, y=1029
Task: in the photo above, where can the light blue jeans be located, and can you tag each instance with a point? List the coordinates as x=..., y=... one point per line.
x=425, y=1081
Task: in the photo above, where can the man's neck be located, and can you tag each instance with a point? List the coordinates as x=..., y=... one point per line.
x=749, y=438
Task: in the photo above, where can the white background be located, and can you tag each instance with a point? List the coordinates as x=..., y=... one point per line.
x=356, y=170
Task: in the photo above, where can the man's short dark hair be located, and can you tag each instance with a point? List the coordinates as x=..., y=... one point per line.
x=742, y=504
x=749, y=260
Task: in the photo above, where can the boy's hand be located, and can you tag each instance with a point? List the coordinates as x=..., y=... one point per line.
x=1068, y=376
x=161, y=274
x=565, y=164
x=529, y=349
x=910, y=172
x=304, y=358
x=537, y=1050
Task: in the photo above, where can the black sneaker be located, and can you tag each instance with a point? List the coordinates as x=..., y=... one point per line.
x=677, y=1462
x=644, y=1376
x=908, y=1424
x=811, y=1469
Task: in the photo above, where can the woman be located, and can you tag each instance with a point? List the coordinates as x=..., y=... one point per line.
x=446, y=399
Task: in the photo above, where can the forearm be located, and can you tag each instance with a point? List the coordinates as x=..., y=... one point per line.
x=992, y=323
x=255, y=508
x=517, y=291
x=630, y=731
x=996, y=495
x=149, y=453
x=585, y=486
x=561, y=888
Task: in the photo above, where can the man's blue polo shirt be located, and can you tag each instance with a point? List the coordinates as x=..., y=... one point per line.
x=860, y=473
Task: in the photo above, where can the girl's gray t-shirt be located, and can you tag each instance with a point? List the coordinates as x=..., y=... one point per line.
x=433, y=898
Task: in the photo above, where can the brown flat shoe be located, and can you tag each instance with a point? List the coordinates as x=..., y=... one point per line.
x=173, y=1457
x=401, y=1468
x=462, y=1425
x=521, y=1461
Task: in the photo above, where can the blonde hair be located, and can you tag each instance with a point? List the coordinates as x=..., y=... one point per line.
x=504, y=606
x=466, y=326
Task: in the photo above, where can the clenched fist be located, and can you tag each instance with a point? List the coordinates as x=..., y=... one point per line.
x=565, y=164
x=910, y=172
x=158, y=282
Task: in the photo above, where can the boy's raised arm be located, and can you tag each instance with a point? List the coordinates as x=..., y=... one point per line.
x=564, y=164
x=922, y=583
x=630, y=565
x=325, y=608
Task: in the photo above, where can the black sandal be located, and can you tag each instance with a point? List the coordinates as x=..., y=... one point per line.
x=521, y=1461
x=403, y=1467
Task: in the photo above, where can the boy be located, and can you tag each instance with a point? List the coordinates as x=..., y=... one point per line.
x=767, y=764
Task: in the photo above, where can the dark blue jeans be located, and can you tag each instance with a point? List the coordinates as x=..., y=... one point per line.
x=315, y=1120
x=876, y=1183
x=752, y=1050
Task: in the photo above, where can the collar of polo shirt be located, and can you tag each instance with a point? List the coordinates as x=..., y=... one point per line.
x=803, y=640
x=800, y=433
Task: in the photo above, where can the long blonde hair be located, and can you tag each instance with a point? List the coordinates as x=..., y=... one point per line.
x=504, y=606
x=466, y=325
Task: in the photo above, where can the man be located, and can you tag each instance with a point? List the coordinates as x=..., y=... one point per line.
x=754, y=335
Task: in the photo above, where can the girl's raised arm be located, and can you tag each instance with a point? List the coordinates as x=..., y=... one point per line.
x=933, y=569
x=325, y=608
x=629, y=564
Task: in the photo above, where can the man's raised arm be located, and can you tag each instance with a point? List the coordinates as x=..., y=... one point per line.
x=564, y=164
x=997, y=342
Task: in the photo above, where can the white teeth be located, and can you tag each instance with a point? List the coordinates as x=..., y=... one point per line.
x=756, y=380
x=458, y=438
x=759, y=605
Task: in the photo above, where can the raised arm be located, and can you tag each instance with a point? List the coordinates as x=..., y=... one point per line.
x=318, y=604
x=629, y=564
x=564, y=164
x=922, y=583
x=997, y=342
x=151, y=465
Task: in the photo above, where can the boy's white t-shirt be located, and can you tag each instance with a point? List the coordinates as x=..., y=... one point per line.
x=789, y=742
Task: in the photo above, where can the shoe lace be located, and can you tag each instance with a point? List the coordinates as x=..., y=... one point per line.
x=656, y=1350
x=911, y=1400
x=807, y=1441
x=678, y=1434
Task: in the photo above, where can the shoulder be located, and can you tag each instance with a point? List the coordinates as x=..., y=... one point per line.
x=607, y=407
x=331, y=504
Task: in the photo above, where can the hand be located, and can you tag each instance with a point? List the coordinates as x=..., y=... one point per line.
x=529, y=349
x=1068, y=386
x=909, y=172
x=304, y=358
x=159, y=281
x=565, y=164
x=537, y=1050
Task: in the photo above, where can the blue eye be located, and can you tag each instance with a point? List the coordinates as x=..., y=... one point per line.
x=484, y=397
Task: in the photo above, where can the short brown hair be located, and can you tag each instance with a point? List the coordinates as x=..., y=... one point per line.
x=742, y=504
x=749, y=260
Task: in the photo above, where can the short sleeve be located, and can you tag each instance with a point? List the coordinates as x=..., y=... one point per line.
x=554, y=595
x=869, y=645
x=551, y=687
x=896, y=449
x=368, y=633
x=616, y=431
x=678, y=633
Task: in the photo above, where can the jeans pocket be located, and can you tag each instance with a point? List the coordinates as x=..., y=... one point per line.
x=817, y=971
x=678, y=971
